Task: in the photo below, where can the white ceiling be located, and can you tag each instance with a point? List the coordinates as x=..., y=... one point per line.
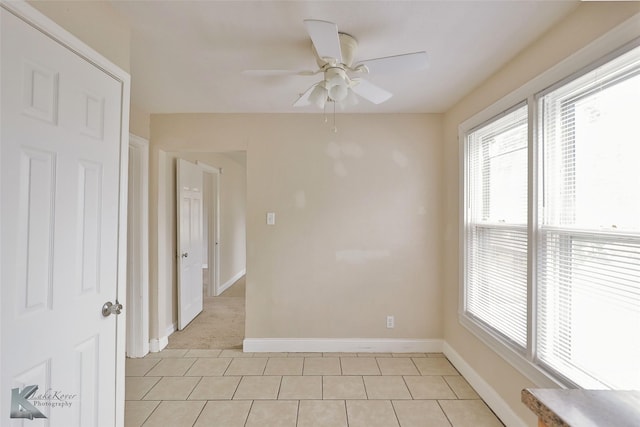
x=187, y=56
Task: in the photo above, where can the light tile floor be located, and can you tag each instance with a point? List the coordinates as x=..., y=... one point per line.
x=228, y=388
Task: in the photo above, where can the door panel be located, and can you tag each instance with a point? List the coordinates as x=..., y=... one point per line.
x=60, y=168
x=189, y=196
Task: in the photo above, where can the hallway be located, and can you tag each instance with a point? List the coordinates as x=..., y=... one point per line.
x=219, y=326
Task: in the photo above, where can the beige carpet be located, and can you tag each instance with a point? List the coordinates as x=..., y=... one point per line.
x=220, y=325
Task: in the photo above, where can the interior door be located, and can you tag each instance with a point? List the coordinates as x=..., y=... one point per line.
x=60, y=179
x=189, y=217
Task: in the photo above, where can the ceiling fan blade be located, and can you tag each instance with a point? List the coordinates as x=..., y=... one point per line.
x=303, y=100
x=324, y=36
x=391, y=64
x=369, y=91
x=275, y=73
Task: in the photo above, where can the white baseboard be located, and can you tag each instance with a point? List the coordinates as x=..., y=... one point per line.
x=171, y=329
x=139, y=352
x=484, y=389
x=156, y=345
x=226, y=285
x=342, y=345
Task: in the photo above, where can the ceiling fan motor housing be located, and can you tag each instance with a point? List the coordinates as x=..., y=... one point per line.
x=348, y=47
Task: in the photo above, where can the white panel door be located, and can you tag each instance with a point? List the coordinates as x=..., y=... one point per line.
x=60, y=169
x=189, y=217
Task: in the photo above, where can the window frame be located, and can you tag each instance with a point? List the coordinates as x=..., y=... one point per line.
x=504, y=340
x=611, y=45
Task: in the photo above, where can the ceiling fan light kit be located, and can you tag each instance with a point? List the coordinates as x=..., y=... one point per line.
x=336, y=83
x=318, y=95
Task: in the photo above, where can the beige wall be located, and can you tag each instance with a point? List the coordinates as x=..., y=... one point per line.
x=357, y=234
x=590, y=21
x=94, y=22
x=139, y=122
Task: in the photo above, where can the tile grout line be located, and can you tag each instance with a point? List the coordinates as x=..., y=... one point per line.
x=417, y=368
x=227, y=368
x=444, y=412
x=190, y=366
x=148, y=370
x=346, y=412
x=246, y=420
x=450, y=387
x=413, y=362
x=364, y=385
x=152, y=386
x=151, y=413
x=279, y=389
x=199, y=414
x=394, y=412
x=408, y=388
x=235, y=390
x=193, y=389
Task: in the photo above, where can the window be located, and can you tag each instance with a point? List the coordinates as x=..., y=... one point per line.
x=588, y=288
x=496, y=232
x=561, y=287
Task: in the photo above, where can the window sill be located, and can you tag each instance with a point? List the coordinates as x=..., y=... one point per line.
x=527, y=368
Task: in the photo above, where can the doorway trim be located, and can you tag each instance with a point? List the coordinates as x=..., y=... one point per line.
x=213, y=229
x=138, y=248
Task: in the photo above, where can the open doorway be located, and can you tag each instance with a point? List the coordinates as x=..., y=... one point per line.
x=221, y=323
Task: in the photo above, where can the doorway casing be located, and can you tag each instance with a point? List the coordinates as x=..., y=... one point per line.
x=211, y=203
x=138, y=248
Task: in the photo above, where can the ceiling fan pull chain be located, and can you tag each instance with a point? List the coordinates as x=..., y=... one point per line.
x=335, y=128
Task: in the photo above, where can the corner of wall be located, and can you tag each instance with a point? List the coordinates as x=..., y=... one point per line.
x=139, y=122
x=491, y=397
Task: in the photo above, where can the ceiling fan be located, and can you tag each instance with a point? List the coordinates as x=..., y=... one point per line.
x=335, y=53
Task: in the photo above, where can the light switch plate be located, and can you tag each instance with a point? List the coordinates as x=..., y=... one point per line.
x=271, y=218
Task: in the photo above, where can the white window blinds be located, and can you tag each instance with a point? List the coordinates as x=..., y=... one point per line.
x=588, y=287
x=496, y=226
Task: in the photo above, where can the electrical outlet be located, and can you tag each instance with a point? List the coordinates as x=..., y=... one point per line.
x=390, y=322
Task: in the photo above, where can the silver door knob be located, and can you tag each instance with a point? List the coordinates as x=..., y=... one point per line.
x=185, y=254
x=110, y=308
